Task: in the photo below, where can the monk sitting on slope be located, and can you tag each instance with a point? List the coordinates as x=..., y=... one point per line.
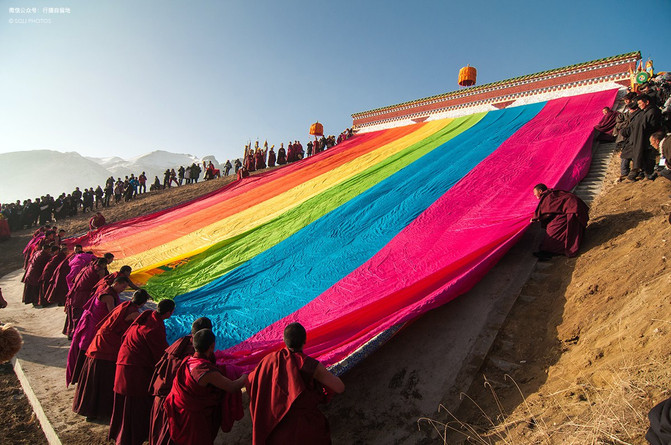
x=284, y=391
x=564, y=217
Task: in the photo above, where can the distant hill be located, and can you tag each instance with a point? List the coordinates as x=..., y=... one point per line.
x=31, y=174
x=153, y=164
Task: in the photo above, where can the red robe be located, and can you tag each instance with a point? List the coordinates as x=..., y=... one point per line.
x=564, y=217
x=142, y=347
x=5, y=233
x=107, y=280
x=79, y=295
x=281, y=156
x=260, y=160
x=94, y=396
x=94, y=313
x=96, y=222
x=58, y=286
x=31, y=290
x=291, y=153
x=161, y=384
x=47, y=276
x=250, y=163
x=196, y=413
x=272, y=157
x=283, y=399
x=607, y=122
x=30, y=248
x=242, y=173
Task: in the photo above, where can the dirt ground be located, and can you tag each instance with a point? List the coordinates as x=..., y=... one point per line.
x=582, y=357
x=16, y=411
x=584, y=354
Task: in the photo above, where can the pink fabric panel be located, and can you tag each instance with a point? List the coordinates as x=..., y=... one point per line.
x=450, y=246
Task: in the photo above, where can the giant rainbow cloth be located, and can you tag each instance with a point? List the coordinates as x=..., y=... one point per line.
x=360, y=239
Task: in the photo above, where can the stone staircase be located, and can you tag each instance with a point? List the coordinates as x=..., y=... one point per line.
x=592, y=184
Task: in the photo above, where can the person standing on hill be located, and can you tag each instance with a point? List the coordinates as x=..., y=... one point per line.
x=564, y=217
x=99, y=196
x=272, y=157
x=643, y=125
x=81, y=293
x=103, y=301
x=180, y=175
x=143, y=345
x=281, y=155
x=195, y=172
x=118, y=191
x=94, y=396
x=187, y=175
x=142, y=180
x=661, y=142
x=284, y=392
x=227, y=167
x=164, y=374
x=194, y=406
x=166, y=178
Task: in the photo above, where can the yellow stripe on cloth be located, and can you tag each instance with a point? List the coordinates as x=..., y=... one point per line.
x=145, y=264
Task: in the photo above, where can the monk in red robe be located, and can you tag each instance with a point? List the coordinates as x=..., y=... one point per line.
x=260, y=159
x=36, y=266
x=161, y=381
x=291, y=153
x=58, y=287
x=107, y=280
x=77, y=263
x=193, y=407
x=40, y=239
x=81, y=292
x=104, y=300
x=49, y=272
x=281, y=155
x=284, y=391
x=251, y=162
x=94, y=396
x=604, y=129
x=564, y=217
x=272, y=157
x=143, y=345
x=96, y=221
x=243, y=173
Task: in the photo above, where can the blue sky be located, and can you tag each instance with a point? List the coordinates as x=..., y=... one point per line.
x=123, y=78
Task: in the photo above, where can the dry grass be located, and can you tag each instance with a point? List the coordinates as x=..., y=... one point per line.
x=614, y=411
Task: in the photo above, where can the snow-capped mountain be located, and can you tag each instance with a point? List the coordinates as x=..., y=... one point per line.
x=31, y=174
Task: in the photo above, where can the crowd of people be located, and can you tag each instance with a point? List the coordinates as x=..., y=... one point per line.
x=640, y=133
x=125, y=371
x=257, y=158
x=640, y=130
x=46, y=209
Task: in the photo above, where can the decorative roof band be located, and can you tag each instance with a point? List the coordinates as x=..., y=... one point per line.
x=610, y=77
x=516, y=81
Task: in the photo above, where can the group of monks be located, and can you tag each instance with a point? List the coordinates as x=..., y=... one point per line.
x=125, y=371
x=255, y=157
